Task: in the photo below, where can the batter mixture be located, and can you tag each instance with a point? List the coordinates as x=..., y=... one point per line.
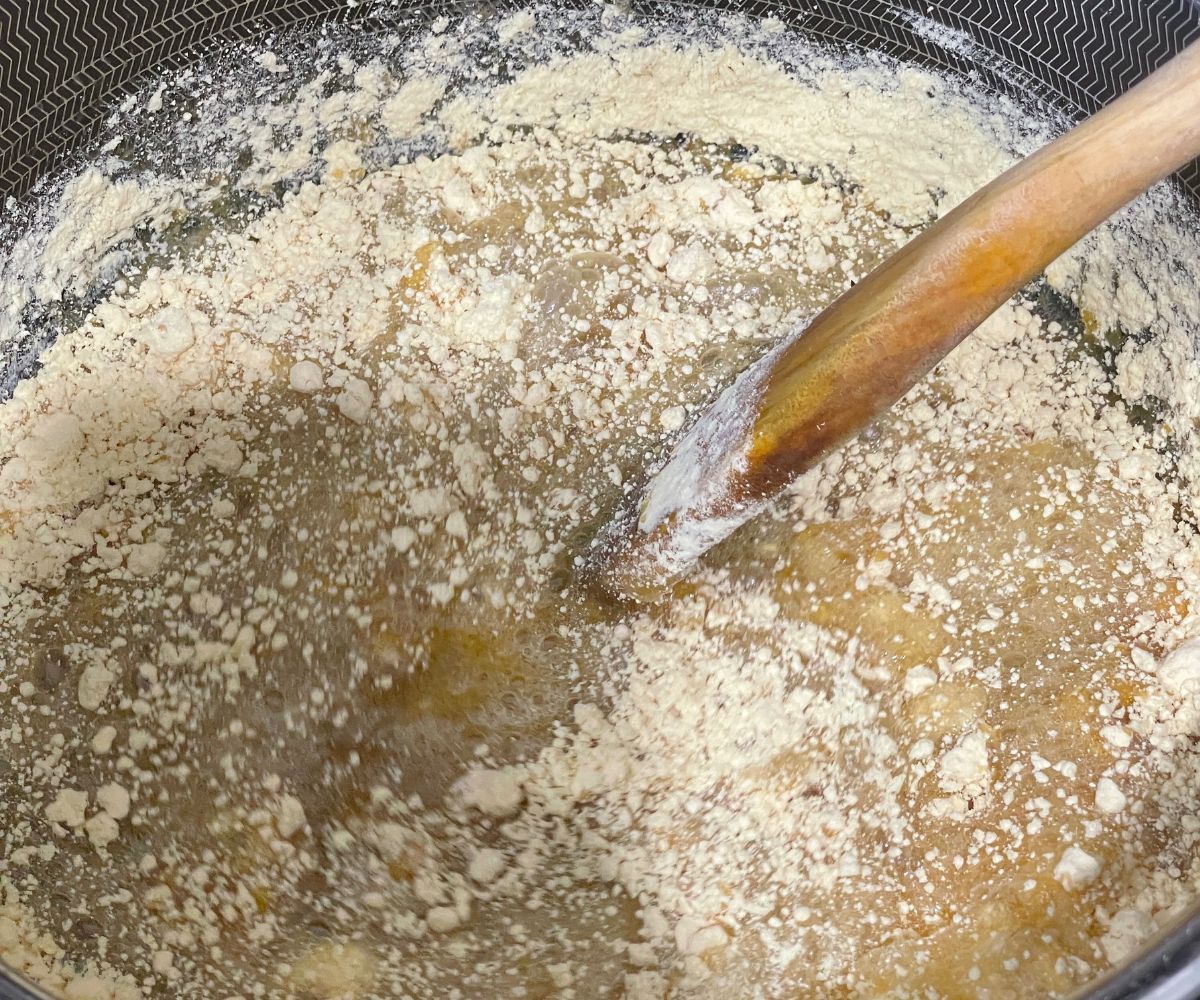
x=349, y=365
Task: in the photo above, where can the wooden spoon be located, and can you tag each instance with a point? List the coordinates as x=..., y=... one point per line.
x=866, y=350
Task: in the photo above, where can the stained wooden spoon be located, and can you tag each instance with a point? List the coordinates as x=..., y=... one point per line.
x=866, y=350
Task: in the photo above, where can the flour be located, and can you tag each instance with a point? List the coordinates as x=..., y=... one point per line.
x=106, y=213
x=654, y=91
x=1109, y=797
x=114, y=800
x=68, y=808
x=1179, y=672
x=402, y=113
x=1076, y=869
x=965, y=767
x=301, y=696
x=38, y=957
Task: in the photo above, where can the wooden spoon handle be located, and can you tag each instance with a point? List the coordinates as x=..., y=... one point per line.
x=872, y=344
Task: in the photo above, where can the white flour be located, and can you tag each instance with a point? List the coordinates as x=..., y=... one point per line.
x=301, y=702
